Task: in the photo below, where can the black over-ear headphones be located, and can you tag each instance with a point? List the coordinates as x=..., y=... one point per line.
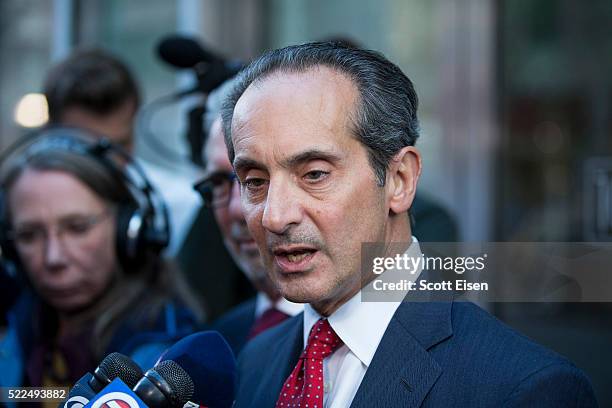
x=142, y=225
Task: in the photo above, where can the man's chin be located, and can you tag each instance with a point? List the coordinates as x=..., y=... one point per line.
x=297, y=297
x=301, y=291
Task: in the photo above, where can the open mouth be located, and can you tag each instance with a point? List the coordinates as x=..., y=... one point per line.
x=295, y=258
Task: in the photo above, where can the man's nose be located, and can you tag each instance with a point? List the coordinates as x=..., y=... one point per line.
x=282, y=207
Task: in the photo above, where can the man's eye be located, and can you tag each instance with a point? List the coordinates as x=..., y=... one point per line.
x=252, y=183
x=315, y=175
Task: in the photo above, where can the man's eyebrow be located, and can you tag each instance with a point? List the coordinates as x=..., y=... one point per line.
x=309, y=155
x=246, y=163
x=214, y=172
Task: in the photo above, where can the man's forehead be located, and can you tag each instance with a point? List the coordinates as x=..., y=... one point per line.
x=314, y=83
x=317, y=101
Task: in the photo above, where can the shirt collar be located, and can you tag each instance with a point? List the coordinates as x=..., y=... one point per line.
x=353, y=316
x=263, y=303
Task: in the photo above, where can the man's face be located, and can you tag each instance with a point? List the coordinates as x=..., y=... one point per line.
x=117, y=125
x=230, y=218
x=309, y=194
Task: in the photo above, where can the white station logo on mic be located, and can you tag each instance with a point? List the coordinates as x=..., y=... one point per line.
x=115, y=400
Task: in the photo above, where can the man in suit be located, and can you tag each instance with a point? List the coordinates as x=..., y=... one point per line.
x=220, y=193
x=321, y=137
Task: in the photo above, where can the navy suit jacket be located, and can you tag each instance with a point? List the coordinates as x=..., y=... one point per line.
x=433, y=354
x=236, y=324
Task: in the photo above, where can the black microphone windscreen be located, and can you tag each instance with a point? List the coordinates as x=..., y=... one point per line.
x=178, y=380
x=183, y=52
x=116, y=365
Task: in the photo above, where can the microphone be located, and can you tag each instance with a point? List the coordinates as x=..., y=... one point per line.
x=184, y=52
x=115, y=365
x=200, y=369
x=187, y=53
x=166, y=385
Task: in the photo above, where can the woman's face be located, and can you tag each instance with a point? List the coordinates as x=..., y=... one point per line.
x=65, y=237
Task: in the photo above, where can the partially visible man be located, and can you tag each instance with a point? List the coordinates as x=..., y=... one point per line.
x=94, y=90
x=322, y=138
x=221, y=193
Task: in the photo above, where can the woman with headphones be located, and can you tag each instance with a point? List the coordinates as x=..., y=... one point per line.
x=85, y=229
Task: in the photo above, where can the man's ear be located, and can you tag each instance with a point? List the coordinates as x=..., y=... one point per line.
x=402, y=177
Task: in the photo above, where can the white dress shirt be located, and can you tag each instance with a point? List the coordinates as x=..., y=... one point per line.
x=360, y=326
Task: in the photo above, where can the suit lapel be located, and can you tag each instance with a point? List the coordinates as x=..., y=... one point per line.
x=402, y=371
x=281, y=359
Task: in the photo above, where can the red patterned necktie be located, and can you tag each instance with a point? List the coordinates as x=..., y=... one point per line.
x=304, y=387
x=267, y=320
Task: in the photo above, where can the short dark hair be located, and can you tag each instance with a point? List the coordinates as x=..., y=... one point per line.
x=386, y=115
x=93, y=80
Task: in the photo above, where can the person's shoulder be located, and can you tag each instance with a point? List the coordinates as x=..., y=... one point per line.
x=11, y=357
x=165, y=324
x=144, y=336
x=480, y=328
x=263, y=361
x=235, y=324
x=504, y=360
x=557, y=384
x=239, y=313
x=268, y=341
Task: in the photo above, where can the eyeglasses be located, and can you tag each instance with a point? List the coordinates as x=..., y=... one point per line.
x=72, y=230
x=216, y=189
